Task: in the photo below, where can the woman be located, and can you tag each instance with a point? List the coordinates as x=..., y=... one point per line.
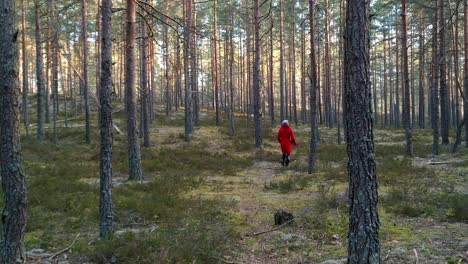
x=287, y=140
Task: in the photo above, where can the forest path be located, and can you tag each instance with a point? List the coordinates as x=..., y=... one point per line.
x=256, y=192
x=258, y=205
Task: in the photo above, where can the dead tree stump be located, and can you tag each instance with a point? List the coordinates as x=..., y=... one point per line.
x=283, y=217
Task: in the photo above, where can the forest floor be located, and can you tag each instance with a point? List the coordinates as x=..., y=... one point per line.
x=207, y=201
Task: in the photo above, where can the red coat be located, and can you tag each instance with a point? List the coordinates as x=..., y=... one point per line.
x=286, y=139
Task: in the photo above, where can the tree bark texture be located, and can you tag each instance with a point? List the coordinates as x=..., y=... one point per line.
x=256, y=81
x=105, y=99
x=13, y=181
x=134, y=155
x=39, y=75
x=281, y=71
x=435, y=84
x=84, y=29
x=25, y=70
x=313, y=91
x=363, y=234
x=465, y=67
x=444, y=97
x=406, y=82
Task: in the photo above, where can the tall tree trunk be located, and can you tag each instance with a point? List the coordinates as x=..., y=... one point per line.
x=84, y=28
x=134, y=155
x=106, y=217
x=39, y=75
x=98, y=50
x=406, y=87
x=293, y=64
x=327, y=66
x=12, y=248
x=55, y=81
x=215, y=62
x=66, y=89
x=48, y=62
x=25, y=69
x=397, y=78
x=282, y=81
x=194, y=69
x=456, y=87
x=421, y=72
x=444, y=97
x=413, y=77
x=144, y=84
x=271, y=103
x=435, y=83
x=231, y=76
x=465, y=67
x=363, y=234
x=187, y=68
x=178, y=93
x=313, y=92
x=256, y=79
x=385, y=88
x=374, y=93
x=303, y=68
x=341, y=69
x=166, y=66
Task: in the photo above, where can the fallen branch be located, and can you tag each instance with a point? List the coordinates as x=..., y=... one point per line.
x=58, y=121
x=438, y=162
x=462, y=257
x=65, y=249
x=416, y=255
x=271, y=230
x=117, y=129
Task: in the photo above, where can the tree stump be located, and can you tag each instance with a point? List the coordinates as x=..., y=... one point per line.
x=283, y=217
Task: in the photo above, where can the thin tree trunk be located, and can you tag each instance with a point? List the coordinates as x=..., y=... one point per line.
x=327, y=87
x=48, y=63
x=187, y=68
x=85, y=70
x=313, y=91
x=231, y=76
x=413, y=96
x=363, y=234
x=256, y=79
x=39, y=75
x=66, y=90
x=55, y=81
x=293, y=65
x=465, y=67
x=144, y=85
x=435, y=83
x=12, y=248
x=194, y=68
x=134, y=155
x=25, y=70
x=341, y=69
x=397, y=79
x=385, y=88
x=98, y=50
x=406, y=87
x=272, y=95
x=444, y=97
x=106, y=217
x=282, y=81
x=303, y=69
x=456, y=86
x=421, y=72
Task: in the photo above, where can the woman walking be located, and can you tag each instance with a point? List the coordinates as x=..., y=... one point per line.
x=286, y=139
